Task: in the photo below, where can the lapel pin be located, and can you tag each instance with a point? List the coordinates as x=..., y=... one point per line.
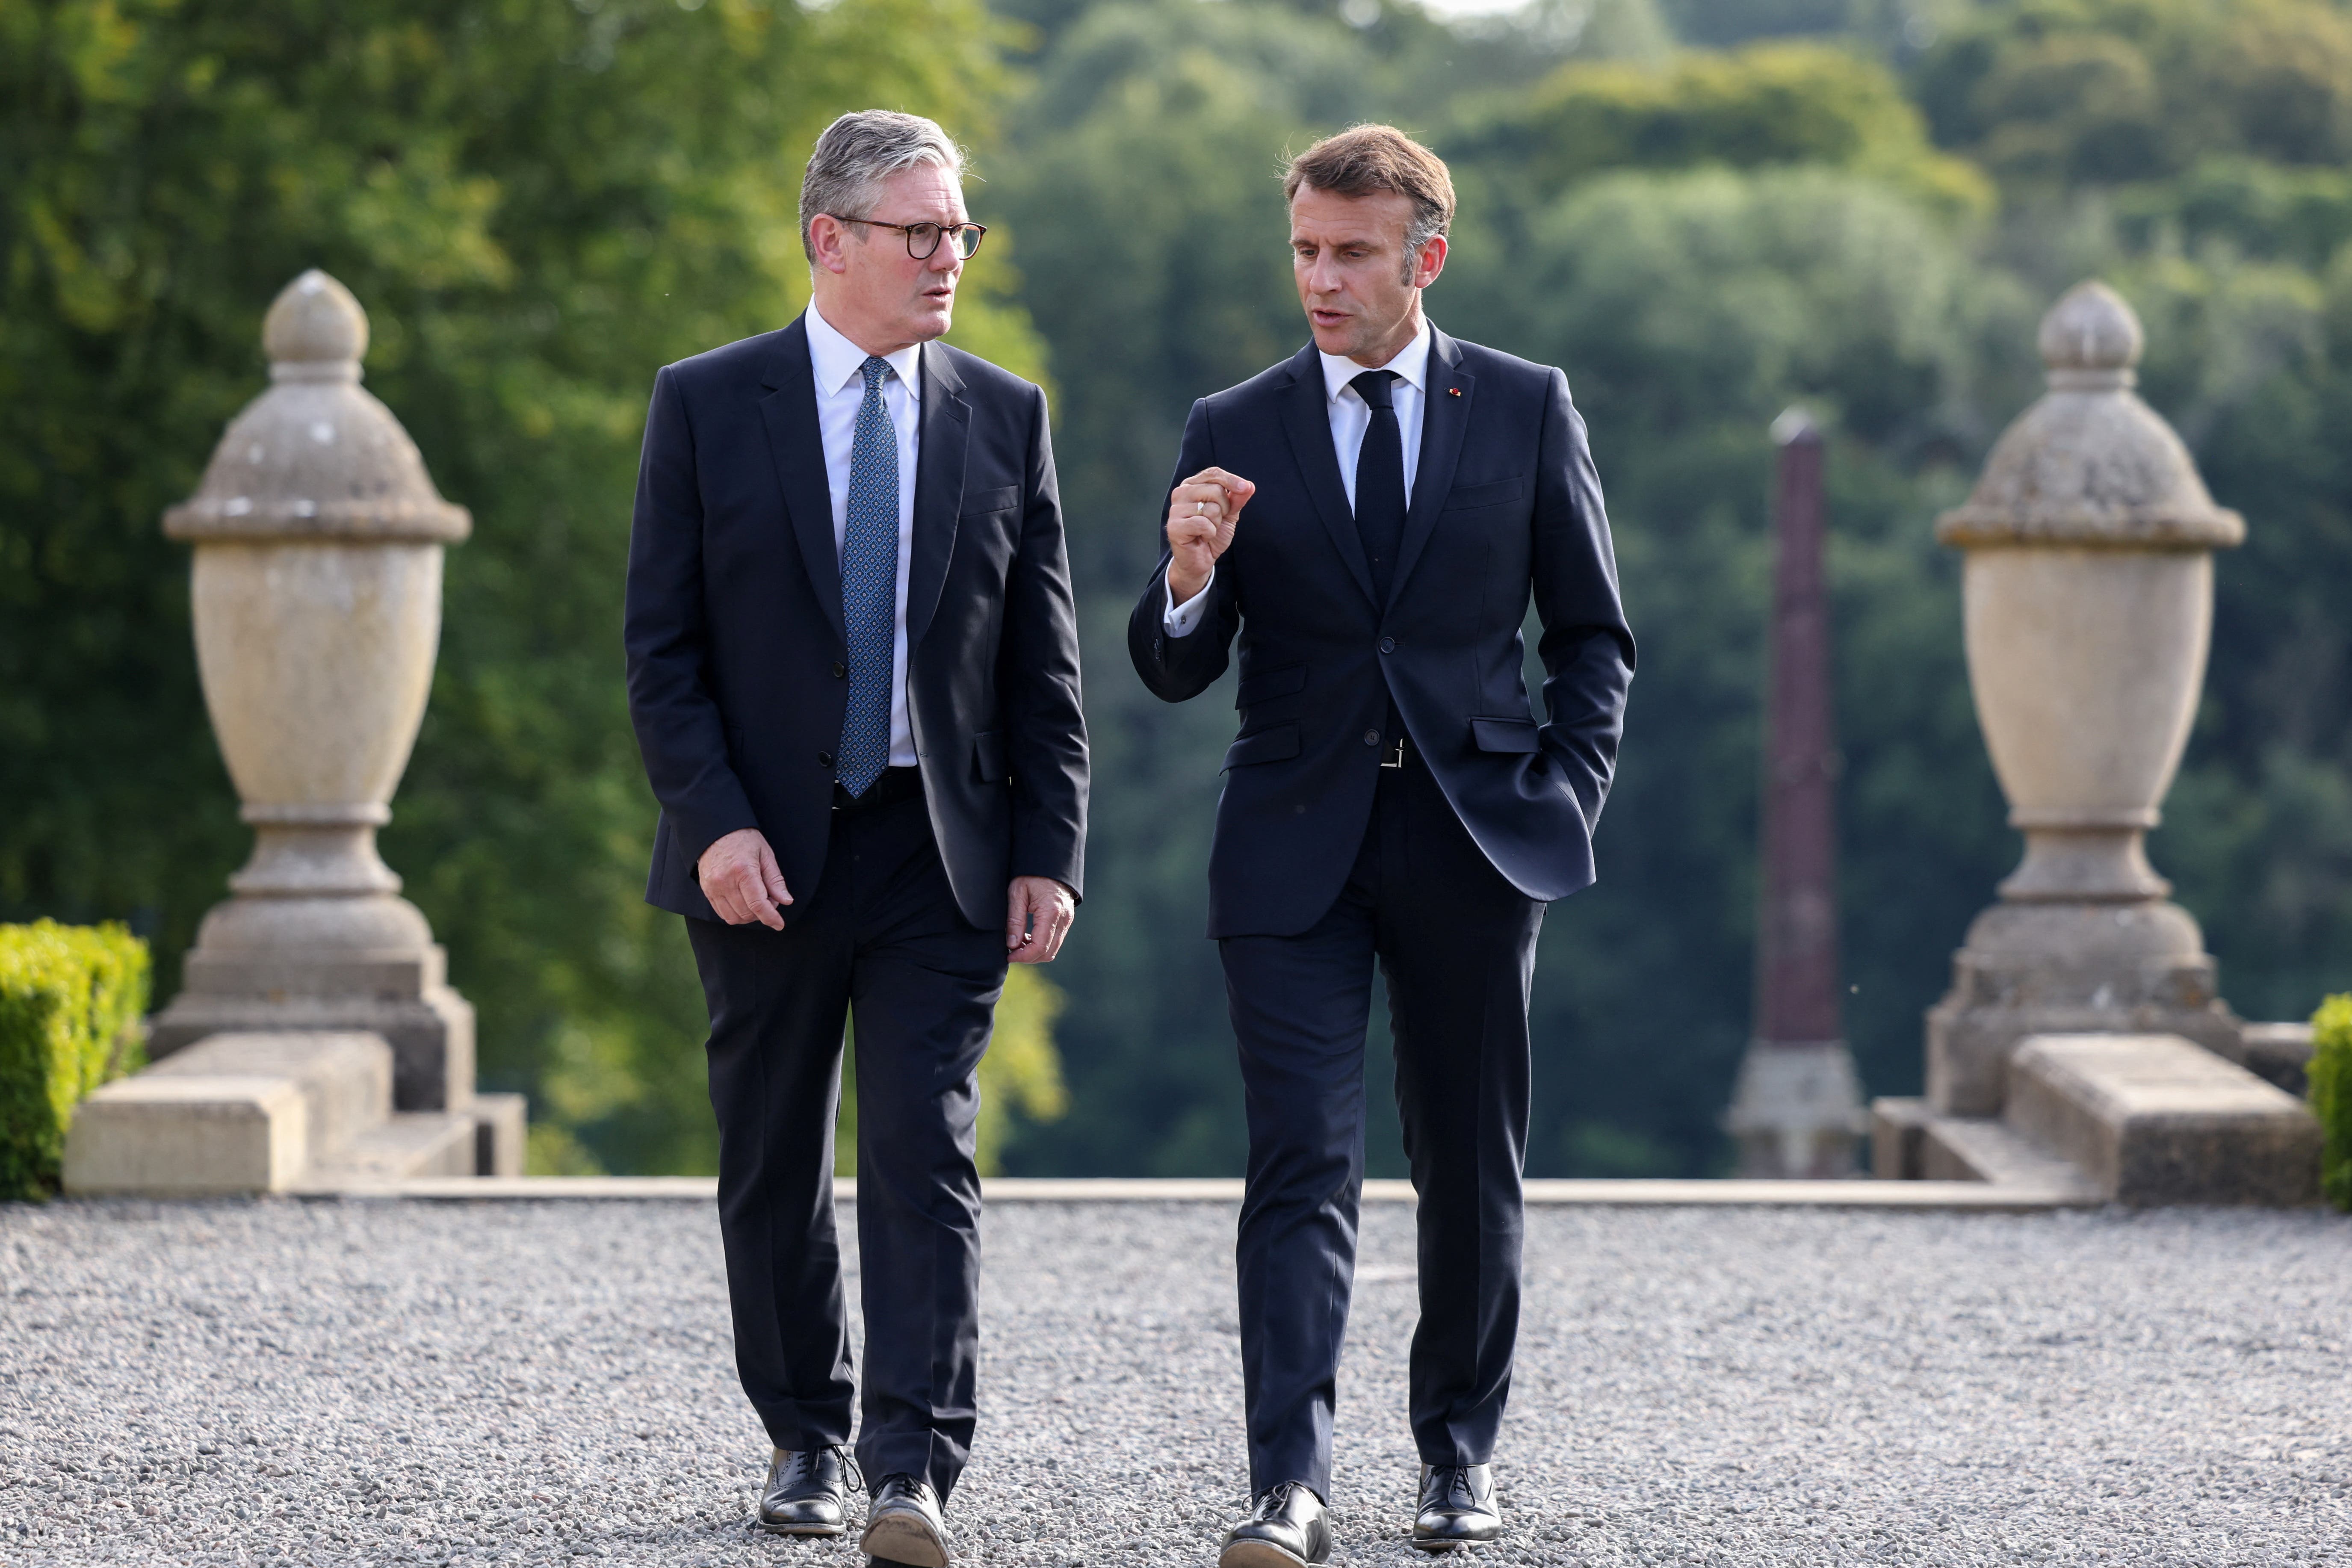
x=1453, y=392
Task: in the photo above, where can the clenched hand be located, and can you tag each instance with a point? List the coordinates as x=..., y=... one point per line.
x=1201, y=513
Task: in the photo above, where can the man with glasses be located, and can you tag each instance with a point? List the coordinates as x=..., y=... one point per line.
x=1391, y=798
x=854, y=673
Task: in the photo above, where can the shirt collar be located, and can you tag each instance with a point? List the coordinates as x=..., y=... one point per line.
x=1412, y=363
x=838, y=361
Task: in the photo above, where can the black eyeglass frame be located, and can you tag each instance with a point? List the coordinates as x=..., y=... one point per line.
x=979, y=231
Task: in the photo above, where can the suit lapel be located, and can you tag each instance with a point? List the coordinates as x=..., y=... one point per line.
x=1444, y=417
x=945, y=423
x=1306, y=421
x=797, y=448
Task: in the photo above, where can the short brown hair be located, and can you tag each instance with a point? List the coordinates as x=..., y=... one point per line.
x=1365, y=160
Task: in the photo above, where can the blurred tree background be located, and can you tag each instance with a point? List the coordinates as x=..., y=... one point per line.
x=1705, y=210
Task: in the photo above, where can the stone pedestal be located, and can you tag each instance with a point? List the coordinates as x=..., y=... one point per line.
x=2153, y=1120
x=404, y=997
x=2088, y=595
x=317, y=591
x=2067, y=968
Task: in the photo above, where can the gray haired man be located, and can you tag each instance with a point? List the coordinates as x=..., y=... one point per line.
x=854, y=674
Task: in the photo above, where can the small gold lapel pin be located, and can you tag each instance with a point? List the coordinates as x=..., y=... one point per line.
x=1453, y=392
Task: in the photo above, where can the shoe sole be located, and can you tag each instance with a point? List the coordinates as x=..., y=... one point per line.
x=906, y=1540
x=1259, y=1554
x=809, y=1530
x=1437, y=1545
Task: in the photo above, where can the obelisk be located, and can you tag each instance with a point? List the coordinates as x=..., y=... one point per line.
x=1798, y=1104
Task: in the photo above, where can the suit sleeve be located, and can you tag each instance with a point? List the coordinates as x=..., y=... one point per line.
x=1587, y=648
x=1038, y=676
x=1176, y=669
x=664, y=630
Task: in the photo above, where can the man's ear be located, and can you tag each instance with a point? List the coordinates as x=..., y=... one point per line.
x=1430, y=262
x=827, y=234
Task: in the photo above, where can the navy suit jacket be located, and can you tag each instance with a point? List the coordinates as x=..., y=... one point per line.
x=736, y=647
x=1506, y=503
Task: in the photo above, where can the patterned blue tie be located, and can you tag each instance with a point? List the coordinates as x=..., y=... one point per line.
x=869, y=587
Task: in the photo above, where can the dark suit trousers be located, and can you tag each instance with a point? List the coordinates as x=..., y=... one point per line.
x=1456, y=942
x=881, y=939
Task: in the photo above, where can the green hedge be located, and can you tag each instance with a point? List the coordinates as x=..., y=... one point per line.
x=70, y=1001
x=2331, y=1095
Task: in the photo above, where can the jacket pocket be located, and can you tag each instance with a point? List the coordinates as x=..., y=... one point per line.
x=1503, y=734
x=1262, y=685
x=1271, y=744
x=978, y=503
x=1461, y=497
x=988, y=755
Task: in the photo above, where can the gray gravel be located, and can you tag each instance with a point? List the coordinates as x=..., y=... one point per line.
x=385, y=1382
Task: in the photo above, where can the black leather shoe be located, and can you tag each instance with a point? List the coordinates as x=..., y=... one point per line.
x=1285, y=1529
x=1457, y=1506
x=903, y=1524
x=808, y=1493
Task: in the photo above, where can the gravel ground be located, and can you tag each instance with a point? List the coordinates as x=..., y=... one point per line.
x=386, y=1382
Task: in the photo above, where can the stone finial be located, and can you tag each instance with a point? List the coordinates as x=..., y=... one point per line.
x=317, y=456
x=2090, y=465
x=2090, y=329
x=315, y=331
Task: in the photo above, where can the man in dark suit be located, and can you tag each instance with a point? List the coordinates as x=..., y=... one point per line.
x=854, y=674
x=1389, y=796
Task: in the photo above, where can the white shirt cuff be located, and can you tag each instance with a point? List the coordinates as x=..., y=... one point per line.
x=1179, y=619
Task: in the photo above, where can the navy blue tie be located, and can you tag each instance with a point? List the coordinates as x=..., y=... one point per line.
x=869, y=587
x=1380, y=480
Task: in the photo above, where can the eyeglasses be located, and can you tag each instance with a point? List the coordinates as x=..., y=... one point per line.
x=923, y=238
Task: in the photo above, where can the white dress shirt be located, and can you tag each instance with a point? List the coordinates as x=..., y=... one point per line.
x=840, y=367
x=1351, y=416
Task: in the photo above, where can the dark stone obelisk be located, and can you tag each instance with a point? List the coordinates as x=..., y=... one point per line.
x=1798, y=1105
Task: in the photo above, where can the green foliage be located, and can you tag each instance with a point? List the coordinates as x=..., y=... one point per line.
x=1688, y=309
x=2331, y=1095
x=1766, y=104
x=2112, y=92
x=2298, y=216
x=539, y=203
x=1893, y=26
x=1021, y=1072
x=70, y=1001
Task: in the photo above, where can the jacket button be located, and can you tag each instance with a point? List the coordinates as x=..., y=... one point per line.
x=839, y=669
x=824, y=759
x=1372, y=737
x=1387, y=645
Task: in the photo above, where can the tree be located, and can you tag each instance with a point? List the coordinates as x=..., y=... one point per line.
x=2059, y=92
x=540, y=204
x=1766, y=104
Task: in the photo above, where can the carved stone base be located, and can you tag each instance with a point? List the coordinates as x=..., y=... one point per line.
x=2032, y=969
x=404, y=997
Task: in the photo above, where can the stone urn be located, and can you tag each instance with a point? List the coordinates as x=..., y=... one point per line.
x=2088, y=604
x=317, y=590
